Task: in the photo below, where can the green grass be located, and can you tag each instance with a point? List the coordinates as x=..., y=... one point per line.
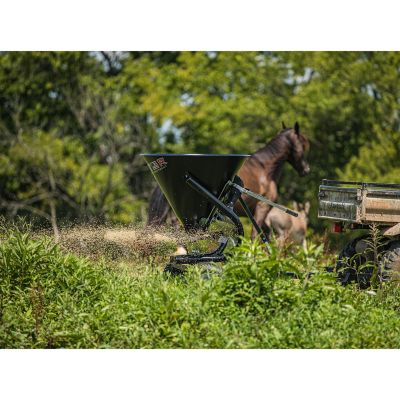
x=52, y=299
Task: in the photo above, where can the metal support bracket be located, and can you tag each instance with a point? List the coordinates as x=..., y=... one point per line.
x=264, y=199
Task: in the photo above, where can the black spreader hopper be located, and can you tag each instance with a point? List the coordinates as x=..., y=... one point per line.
x=202, y=188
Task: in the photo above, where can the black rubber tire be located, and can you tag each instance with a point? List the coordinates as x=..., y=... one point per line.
x=348, y=265
x=207, y=270
x=390, y=262
x=174, y=269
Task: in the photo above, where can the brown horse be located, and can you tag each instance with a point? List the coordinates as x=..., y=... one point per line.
x=260, y=174
x=262, y=171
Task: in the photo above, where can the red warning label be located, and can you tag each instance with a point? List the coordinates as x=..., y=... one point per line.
x=158, y=164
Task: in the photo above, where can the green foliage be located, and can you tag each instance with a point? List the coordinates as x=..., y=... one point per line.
x=80, y=180
x=68, y=148
x=92, y=114
x=377, y=161
x=49, y=299
x=218, y=101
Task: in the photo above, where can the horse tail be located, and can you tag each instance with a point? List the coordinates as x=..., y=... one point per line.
x=158, y=208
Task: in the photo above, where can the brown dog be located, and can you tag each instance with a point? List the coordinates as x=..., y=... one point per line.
x=288, y=228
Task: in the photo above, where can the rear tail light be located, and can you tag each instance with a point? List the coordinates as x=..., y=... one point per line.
x=337, y=227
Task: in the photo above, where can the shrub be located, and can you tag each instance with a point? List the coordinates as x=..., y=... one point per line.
x=53, y=299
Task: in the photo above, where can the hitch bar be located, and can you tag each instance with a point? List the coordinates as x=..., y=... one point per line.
x=263, y=199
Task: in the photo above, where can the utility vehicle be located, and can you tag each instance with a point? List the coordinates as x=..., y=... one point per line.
x=373, y=208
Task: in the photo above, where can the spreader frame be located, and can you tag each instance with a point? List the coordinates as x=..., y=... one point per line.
x=231, y=194
x=202, y=188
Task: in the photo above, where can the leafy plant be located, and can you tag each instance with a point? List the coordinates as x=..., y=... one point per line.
x=53, y=299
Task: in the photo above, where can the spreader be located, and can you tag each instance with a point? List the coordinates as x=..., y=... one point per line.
x=201, y=189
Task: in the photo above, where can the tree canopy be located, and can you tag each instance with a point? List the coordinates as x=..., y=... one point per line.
x=72, y=124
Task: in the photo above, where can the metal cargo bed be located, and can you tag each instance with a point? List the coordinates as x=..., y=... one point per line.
x=359, y=202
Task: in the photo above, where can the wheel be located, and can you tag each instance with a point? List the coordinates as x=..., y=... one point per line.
x=350, y=261
x=350, y=265
x=390, y=262
x=174, y=269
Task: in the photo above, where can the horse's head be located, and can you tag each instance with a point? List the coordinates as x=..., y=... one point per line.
x=299, y=146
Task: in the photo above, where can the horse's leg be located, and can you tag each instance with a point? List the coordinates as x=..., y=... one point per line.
x=267, y=231
x=271, y=233
x=260, y=214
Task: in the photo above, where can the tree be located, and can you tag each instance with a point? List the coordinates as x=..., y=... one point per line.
x=110, y=107
x=68, y=150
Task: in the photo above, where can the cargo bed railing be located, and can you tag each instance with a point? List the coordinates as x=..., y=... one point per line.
x=328, y=182
x=362, y=203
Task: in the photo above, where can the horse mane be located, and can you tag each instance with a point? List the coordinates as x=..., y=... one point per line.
x=306, y=143
x=279, y=145
x=276, y=147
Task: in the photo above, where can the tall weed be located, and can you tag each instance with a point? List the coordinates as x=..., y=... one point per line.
x=53, y=299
